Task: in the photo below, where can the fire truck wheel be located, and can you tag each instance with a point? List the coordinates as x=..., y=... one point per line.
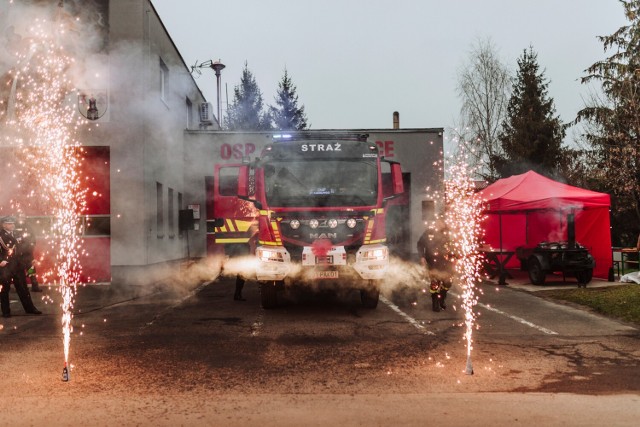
x=269, y=294
x=370, y=297
x=536, y=273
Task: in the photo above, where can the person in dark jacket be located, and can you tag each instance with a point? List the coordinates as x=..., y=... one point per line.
x=434, y=254
x=11, y=270
x=237, y=296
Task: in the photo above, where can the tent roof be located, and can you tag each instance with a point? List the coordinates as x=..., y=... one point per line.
x=531, y=191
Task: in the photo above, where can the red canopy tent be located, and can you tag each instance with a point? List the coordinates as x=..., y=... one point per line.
x=527, y=209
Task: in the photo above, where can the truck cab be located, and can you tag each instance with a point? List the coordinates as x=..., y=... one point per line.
x=321, y=214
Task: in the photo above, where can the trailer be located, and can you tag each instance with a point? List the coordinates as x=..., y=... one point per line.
x=569, y=258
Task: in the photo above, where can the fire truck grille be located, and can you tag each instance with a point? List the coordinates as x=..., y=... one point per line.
x=308, y=235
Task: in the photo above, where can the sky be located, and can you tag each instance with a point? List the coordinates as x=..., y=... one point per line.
x=354, y=62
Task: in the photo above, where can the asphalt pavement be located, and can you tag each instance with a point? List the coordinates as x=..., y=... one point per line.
x=190, y=355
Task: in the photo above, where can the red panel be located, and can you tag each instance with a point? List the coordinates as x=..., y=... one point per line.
x=94, y=172
x=593, y=230
x=96, y=177
x=513, y=233
x=96, y=263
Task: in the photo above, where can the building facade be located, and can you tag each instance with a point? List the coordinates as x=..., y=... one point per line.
x=144, y=98
x=148, y=155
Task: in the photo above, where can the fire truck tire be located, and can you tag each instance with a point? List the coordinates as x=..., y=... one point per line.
x=269, y=294
x=584, y=277
x=536, y=273
x=370, y=296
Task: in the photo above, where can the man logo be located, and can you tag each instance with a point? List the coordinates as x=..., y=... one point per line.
x=323, y=235
x=92, y=105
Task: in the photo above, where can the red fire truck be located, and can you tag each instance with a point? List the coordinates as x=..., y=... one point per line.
x=312, y=210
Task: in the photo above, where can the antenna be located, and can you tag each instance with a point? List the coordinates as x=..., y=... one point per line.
x=217, y=67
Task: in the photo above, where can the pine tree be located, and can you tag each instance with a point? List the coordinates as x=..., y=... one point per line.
x=286, y=115
x=246, y=112
x=613, y=123
x=531, y=135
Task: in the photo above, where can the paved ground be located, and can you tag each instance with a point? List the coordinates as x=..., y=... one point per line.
x=190, y=355
x=520, y=280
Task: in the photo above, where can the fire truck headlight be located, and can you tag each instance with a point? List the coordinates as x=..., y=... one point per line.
x=351, y=223
x=313, y=223
x=375, y=254
x=332, y=223
x=267, y=255
x=294, y=224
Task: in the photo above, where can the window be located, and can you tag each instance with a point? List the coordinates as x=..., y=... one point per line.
x=97, y=225
x=159, y=211
x=164, y=80
x=179, y=209
x=189, y=116
x=428, y=210
x=228, y=181
x=170, y=214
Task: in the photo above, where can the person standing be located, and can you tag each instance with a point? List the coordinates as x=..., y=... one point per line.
x=26, y=247
x=434, y=254
x=237, y=296
x=11, y=270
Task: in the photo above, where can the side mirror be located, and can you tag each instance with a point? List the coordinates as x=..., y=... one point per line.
x=396, y=178
x=243, y=181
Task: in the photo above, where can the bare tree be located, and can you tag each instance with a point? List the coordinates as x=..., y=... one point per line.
x=483, y=87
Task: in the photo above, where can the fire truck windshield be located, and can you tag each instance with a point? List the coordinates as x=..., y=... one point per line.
x=320, y=183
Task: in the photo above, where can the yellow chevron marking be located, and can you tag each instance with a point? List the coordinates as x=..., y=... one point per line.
x=378, y=241
x=243, y=226
x=243, y=240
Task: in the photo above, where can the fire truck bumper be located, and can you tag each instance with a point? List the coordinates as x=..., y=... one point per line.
x=274, y=263
x=372, y=262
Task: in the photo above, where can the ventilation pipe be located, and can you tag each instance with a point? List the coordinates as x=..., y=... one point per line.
x=396, y=120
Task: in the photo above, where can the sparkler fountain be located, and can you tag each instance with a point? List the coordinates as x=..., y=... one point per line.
x=47, y=124
x=463, y=221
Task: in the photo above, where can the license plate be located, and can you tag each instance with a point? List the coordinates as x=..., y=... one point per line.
x=326, y=274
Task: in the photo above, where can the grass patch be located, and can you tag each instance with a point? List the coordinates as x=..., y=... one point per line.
x=620, y=302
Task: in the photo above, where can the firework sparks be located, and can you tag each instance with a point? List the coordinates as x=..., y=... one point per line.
x=50, y=155
x=463, y=220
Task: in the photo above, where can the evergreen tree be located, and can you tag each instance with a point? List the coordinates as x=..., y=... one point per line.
x=531, y=135
x=246, y=112
x=613, y=123
x=286, y=115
